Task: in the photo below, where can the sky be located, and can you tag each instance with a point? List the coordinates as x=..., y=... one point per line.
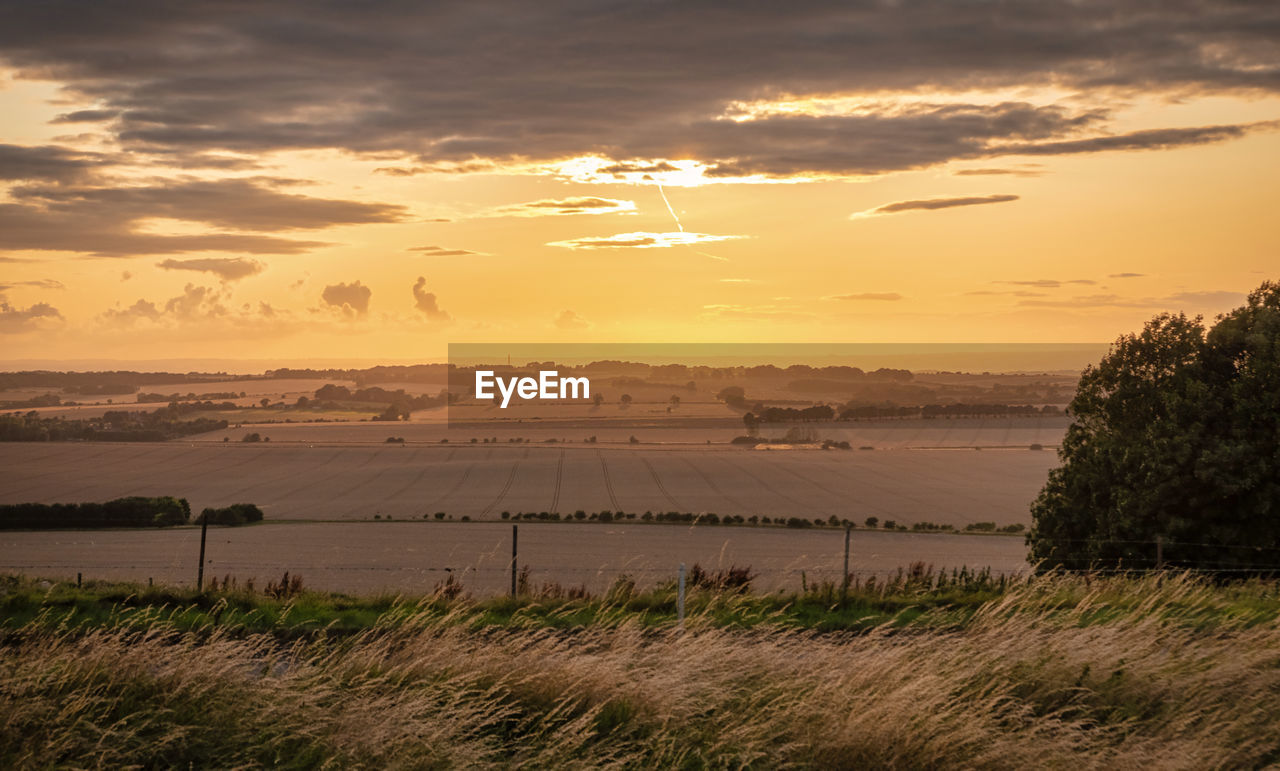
x=328, y=181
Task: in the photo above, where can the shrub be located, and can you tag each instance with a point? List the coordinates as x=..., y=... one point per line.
x=235, y=514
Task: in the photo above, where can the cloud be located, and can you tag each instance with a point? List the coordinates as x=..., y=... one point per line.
x=988, y=172
x=440, y=251
x=1126, y=275
x=930, y=204
x=1150, y=139
x=85, y=116
x=242, y=203
x=639, y=81
x=565, y=206
x=739, y=281
x=755, y=313
x=568, y=319
x=640, y=240
x=426, y=302
x=352, y=299
x=1211, y=301
x=199, y=309
x=40, y=283
x=226, y=268
x=1017, y=293
x=126, y=275
x=867, y=296
x=14, y=320
x=1048, y=283
x=108, y=221
x=47, y=163
x=140, y=310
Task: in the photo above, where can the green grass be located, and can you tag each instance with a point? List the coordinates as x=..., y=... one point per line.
x=921, y=602
x=918, y=672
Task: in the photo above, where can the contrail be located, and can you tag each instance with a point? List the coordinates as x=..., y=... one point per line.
x=663, y=193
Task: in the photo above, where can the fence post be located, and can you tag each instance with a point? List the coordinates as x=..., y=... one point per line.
x=77, y=580
x=515, y=533
x=204, y=530
x=1159, y=552
x=680, y=599
x=844, y=582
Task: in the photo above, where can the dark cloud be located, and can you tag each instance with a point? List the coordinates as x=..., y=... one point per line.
x=48, y=163
x=103, y=220
x=225, y=268
x=440, y=251
x=563, y=206
x=352, y=299
x=85, y=116
x=39, y=316
x=1126, y=275
x=426, y=302
x=1151, y=139
x=867, y=296
x=930, y=204
x=252, y=203
x=454, y=88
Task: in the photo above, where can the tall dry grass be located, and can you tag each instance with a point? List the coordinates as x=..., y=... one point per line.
x=1110, y=673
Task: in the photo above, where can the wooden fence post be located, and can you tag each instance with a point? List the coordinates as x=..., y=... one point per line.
x=515, y=533
x=844, y=582
x=204, y=531
x=680, y=599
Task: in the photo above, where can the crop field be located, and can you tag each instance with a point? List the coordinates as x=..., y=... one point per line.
x=433, y=426
x=289, y=481
x=414, y=557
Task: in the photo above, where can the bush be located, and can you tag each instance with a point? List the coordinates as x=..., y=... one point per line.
x=134, y=511
x=235, y=514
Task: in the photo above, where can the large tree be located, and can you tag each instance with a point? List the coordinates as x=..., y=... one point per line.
x=1175, y=435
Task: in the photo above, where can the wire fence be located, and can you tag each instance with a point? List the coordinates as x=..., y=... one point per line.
x=490, y=571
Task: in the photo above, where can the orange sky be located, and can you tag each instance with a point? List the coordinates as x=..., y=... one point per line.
x=1030, y=203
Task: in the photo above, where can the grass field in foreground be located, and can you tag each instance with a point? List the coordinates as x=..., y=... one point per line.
x=1165, y=671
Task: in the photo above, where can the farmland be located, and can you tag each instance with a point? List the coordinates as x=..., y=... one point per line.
x=323, y=481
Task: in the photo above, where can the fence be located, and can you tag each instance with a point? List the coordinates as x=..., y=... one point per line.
x=495, y=558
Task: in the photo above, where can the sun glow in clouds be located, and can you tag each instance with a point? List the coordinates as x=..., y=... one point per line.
x=641, y=240
x=595, y=170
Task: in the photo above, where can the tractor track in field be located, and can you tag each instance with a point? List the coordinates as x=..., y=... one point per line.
x=714, y=487
x=555, y=496
x=511, y=478
x=456, y=487
x=608, y=483
x=661, y=487
x=413, y=482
